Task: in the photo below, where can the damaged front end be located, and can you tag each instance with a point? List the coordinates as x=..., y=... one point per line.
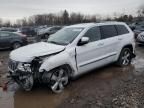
x=25, y=74
x=22, y=74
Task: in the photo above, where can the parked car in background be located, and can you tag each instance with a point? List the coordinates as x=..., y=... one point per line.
x=138, y=29
x=8, y=29
x=140, y=38
x=28, y=31
x=44, y=33
x=70, y=52
x=12, y=40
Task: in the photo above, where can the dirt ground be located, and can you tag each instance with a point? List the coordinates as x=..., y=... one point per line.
x=108, y=87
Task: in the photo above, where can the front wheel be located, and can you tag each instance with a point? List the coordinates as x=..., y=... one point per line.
x=59, y=79
x=125, y=57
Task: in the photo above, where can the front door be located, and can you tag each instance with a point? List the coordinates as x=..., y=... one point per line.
x=88, y=54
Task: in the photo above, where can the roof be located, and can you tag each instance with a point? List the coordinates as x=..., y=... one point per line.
x=82, y=25
x=85, y=25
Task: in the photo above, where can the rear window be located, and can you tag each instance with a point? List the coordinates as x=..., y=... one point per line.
x=121, y=29
x=108, y=31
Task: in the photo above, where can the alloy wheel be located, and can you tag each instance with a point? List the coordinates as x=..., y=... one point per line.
x=59, y=79
x=126, y=58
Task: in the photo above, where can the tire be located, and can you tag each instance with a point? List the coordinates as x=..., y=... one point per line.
x=125, y=57
x=59, y=79
x=16, y=45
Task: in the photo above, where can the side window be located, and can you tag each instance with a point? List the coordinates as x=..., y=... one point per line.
x=122, y=29
x=93, y=34
x=4, y=34
x=108, y=31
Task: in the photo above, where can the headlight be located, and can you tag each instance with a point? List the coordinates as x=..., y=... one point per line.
x=20, y=67
x=24, y=67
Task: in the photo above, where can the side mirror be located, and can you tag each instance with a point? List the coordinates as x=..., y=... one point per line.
x=83, y=41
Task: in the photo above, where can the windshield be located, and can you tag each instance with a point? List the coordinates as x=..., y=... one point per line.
x=65, y=36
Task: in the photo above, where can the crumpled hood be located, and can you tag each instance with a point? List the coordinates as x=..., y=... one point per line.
x=29, y=52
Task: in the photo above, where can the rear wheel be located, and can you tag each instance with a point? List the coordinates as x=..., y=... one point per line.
x=59, y=79
x=125, y=57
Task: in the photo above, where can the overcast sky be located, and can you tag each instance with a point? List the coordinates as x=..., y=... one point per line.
x=15, y=9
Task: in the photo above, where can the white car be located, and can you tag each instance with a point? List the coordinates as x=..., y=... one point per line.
x=140, y=38
x=72, y=51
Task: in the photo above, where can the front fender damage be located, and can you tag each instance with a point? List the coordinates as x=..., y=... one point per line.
x=58, y=60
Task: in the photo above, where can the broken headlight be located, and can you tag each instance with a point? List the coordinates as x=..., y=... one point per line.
x=24, y=67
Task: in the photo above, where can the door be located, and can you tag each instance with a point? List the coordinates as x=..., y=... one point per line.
x=109, y=36
x=99, y=51
x=5, y=39
x=88, y=54
x=123, y=33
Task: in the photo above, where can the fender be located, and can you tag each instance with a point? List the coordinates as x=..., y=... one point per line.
x=54, y=61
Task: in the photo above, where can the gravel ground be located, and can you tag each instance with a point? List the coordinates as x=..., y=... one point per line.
x=108, y=87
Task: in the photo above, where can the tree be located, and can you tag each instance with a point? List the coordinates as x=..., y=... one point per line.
x=65, y=17
x=140, y=13
x=130, y=18
x=7, y=23
x=24, y=21
x=1, y=22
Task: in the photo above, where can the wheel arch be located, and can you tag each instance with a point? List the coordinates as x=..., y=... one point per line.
x=70, y=72
x=16, y=41
x=130, y=46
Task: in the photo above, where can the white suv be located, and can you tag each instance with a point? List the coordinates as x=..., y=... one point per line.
x=70, y=52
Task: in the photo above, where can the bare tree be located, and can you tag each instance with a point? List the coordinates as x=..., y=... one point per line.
x=7, y=23
x=140, y=13
x=65, y=17
x=1, y=22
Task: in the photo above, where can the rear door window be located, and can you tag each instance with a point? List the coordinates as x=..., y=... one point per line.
x=121, y=29
x=108, y=31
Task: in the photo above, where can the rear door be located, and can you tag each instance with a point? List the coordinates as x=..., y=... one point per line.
x=122, y=32
x=5, y=39
x=109, y=38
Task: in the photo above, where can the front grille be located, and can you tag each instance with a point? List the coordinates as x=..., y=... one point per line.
x=142, y=37
x=13, y=65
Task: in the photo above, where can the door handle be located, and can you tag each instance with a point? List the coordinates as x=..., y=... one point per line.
x=119, y=38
